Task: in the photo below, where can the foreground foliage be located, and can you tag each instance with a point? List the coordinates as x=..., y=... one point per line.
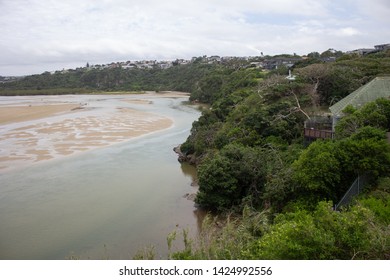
x=358, y=232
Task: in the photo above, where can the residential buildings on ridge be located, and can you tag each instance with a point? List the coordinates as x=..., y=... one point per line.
x=263, y=62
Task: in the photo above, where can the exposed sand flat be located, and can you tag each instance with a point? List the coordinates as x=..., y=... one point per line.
x=153, y=94
x=138, y=101
x=65, y=131
x=10, y=114
x=169, y=94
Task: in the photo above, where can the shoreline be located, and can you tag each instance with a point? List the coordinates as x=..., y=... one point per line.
x=78, y=92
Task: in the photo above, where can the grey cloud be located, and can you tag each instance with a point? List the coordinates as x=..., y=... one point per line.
x=40, y=31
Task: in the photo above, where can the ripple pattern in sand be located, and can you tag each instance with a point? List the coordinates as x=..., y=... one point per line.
x=47, y=139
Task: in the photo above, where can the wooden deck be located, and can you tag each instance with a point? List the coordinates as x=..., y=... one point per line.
x=311, y=133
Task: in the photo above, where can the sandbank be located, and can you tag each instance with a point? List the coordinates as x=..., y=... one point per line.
x=168, y=94
x=58, y=130
x=10, y=114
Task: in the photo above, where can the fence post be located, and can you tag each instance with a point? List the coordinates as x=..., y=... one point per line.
x=358, y=185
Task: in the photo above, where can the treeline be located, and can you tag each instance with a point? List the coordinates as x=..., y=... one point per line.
x=251, y=159
x=49, y=91
x=84, y=80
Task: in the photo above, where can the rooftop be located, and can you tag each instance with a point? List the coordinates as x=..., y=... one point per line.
x=377, y=88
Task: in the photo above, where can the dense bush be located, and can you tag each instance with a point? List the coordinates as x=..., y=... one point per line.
x=359, y=232
x=323, y=234
x=375, y=114
x=327, y=168
x=230, y=175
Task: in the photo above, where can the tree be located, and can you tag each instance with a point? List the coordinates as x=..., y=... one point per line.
x=315, y=74
x=364, y=152
x=331, y=81
x=229, y=176
x=331, y=53
x=218, y=187
x=314, y=55
x=317, y=171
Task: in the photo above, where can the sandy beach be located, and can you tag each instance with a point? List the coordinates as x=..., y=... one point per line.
x=31, y=131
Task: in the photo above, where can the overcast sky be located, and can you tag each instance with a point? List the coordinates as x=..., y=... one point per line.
x=47, y=35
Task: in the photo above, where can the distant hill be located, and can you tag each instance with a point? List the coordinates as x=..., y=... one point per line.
x=182, y=75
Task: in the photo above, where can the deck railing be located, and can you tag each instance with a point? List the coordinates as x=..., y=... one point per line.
x=318, y=133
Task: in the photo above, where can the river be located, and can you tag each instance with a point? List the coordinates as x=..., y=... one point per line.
x=104, y=203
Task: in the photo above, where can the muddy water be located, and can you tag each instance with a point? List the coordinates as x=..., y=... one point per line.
x=103, y=203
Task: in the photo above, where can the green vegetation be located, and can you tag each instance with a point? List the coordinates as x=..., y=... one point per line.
x=273, y=195
x=56, y=91
x=250, y=153
x=356, y=233
x=85, y=80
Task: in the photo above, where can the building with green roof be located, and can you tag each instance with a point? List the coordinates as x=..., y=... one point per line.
x=324, y=127
x=377, y=88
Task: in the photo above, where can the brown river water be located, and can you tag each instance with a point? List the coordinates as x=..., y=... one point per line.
x=104, y=198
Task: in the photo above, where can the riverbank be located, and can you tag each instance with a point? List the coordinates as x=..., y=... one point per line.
x=35, y=128
x=108, y=202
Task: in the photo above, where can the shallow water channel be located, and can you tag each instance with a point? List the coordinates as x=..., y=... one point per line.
x=107, y=202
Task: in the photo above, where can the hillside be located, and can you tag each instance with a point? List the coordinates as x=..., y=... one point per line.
x=252, y=160
x=255, y=169
x=121, y=77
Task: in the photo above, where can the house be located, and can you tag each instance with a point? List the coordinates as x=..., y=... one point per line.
x=165, y=65
x=276, y=62
x=129, y=66
x=256, y=64
x=377, y=88
x=215, y=58
x=362, y=52
x=365, y=51
x=382, y=47
x=328, y=59
x=324, y=127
